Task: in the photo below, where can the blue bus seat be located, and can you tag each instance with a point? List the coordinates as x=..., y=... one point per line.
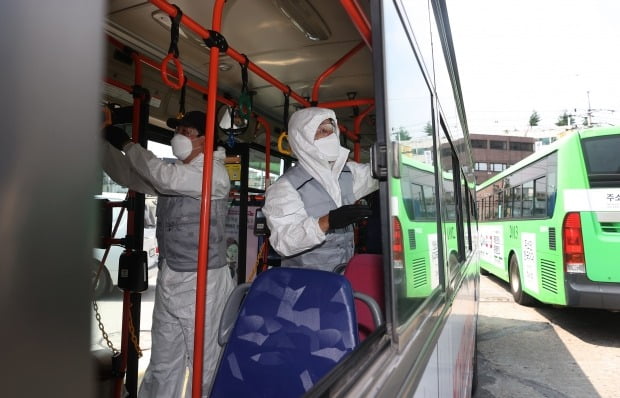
x=293, y=326
x=365, y=273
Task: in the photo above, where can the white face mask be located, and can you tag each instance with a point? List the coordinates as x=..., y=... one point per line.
x=329, y=147
x=181, y=146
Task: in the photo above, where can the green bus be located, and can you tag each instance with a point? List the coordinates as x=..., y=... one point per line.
x=415, y=224
x=550, y=224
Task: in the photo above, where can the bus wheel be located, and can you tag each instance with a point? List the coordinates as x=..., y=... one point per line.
x=103, y=284
x=515, y=284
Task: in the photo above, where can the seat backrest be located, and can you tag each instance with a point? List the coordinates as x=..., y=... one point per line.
x=365, y=273
x=293, y=327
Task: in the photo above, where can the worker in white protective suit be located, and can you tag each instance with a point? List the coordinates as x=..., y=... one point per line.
x=179, y=188
x=310, y=209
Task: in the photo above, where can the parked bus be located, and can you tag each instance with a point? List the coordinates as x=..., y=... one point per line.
x=550, y=224
x=389, y=71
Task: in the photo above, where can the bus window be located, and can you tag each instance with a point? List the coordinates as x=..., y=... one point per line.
x=500, y=204
x=466, y=218
x=451, y=204
x=516, y=201
x=409, y=99
x=602, y=161
x=508, y=203
x=528, y=198
x=540, y=197
x=256, y=171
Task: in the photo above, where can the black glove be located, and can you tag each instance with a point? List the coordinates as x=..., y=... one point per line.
x=347, y=214
x=115, y=136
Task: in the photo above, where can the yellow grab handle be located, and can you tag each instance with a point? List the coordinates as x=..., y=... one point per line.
x=281, y=138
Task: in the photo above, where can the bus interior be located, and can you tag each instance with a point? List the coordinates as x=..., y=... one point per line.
x=388, y=69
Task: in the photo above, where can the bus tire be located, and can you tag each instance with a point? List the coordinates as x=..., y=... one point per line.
x=104, y=284
x=516, y=289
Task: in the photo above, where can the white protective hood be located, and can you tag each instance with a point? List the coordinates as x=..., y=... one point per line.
x=301, y=129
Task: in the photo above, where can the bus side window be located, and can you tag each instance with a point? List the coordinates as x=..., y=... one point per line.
x=540, y=197
x=528, y=198
x=516, y=201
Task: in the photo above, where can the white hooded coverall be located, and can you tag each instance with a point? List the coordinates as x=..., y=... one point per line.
x=172, y=332
x=292, y=230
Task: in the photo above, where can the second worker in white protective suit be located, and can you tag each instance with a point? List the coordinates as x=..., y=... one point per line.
x=179, y=190
x=310, y=209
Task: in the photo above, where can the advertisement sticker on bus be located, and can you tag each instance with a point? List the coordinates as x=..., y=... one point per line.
x=492, y=245
x=528, y=256
x=434, y=253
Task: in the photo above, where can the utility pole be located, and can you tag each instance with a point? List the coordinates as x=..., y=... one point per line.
x=589, y=110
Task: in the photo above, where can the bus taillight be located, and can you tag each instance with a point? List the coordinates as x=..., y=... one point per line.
x=574, y=256
x=397, y=243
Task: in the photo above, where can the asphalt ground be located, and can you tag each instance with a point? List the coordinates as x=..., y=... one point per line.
x=544, y=351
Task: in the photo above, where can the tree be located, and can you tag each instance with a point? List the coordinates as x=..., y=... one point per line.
x=564, y=120
x=428, y=129
x=401, y=134
x=534, y=119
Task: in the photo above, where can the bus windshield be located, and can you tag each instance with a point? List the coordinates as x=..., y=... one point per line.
x=602, y=161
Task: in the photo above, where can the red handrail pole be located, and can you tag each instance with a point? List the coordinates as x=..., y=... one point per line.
x=267, y=77
x=345, y=103
x=357, y=125
x=359, y=19
x=135, y=127
x=118, y=84
x=344, y=130
x=331, y=69
x=205, y=211
x=267, y=149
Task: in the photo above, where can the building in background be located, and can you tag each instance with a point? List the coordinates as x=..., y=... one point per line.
x=494, y=153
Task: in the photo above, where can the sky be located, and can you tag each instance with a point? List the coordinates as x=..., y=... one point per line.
x=550, y=56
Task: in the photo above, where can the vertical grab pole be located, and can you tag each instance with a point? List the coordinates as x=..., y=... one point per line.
x=205, y=209
x=356, y=130
x=127, y=295
x=264, y=123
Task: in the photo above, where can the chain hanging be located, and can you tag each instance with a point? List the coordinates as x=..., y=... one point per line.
x=103, y=332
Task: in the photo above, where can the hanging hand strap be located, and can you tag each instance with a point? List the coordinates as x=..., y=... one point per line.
x=245, y=99
x=173, y=53
x=284, y=135
x=182, y=100
x=287, y=96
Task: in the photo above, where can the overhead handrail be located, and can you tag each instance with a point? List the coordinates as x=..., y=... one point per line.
x=192, y=84
x=204, y=33
x=331, y=69
x=118, y=84
x=359, y=19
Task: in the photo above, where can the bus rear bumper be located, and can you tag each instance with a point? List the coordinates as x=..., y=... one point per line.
x=582, y=292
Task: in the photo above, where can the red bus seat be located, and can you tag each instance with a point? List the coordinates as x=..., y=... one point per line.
x=365, y=273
